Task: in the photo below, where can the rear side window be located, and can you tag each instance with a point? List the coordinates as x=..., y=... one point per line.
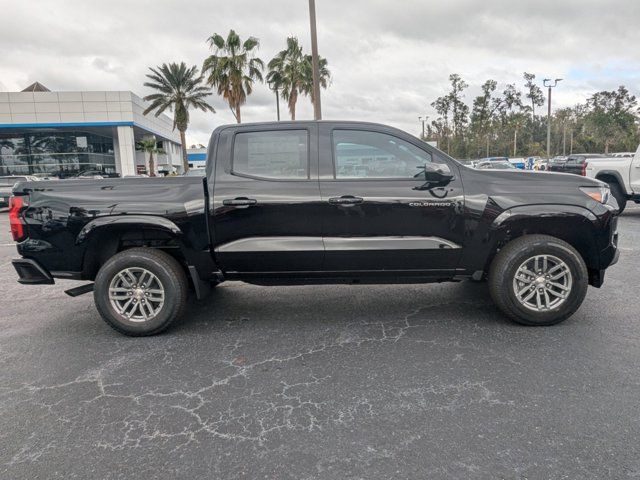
x=276, y=155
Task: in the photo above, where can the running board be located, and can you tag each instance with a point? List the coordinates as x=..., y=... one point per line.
x=82, y=289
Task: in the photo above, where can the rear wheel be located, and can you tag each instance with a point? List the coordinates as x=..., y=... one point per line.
x=140, y=291
x=538, y=280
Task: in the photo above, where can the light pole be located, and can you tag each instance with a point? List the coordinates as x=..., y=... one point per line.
x=547, y=83
x=274, y=86
x=423, y=120
x=317, y=110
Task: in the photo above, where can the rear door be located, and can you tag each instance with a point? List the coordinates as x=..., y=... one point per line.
x=380, y=215
x=266, y=200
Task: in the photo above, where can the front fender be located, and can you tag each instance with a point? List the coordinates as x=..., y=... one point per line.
x=536, y=212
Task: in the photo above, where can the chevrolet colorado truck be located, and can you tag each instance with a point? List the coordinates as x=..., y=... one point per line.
x=621, y=173
x=293, y=203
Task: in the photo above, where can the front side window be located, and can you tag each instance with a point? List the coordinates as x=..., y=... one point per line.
x=362, y=154
x=278, y=155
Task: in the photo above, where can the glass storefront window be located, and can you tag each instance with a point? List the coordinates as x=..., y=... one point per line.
x=61, y=153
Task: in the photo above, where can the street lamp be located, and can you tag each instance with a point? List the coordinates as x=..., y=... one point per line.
x=423, y=120
x=547, y=83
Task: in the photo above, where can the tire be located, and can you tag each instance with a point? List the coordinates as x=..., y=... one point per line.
x=147, y=311
x=561, y=257
x=619, y=195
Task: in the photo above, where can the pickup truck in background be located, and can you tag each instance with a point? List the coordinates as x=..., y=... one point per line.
x=298, y=203
x=621, y=172
x=6, y=186
x=573, y=163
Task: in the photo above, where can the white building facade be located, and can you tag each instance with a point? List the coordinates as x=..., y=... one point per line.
x=68, y=133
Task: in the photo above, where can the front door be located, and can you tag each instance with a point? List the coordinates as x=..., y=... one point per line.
x=266, y=200
x=381, y=216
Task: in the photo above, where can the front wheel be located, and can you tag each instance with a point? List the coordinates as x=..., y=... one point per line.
x=140, y=291
x=538, y=280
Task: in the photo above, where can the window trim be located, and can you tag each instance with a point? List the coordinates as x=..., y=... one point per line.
x=365, y=179
x=267, y=179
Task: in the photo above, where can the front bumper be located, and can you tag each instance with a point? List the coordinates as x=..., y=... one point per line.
x=31, y=272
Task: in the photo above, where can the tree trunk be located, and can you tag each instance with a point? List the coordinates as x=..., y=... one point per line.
x=293, y=98
x=152, y=167
x=183, y=141
x=238, y=117
x=515, y=141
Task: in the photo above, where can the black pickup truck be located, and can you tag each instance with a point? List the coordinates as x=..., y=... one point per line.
x=576, y=163
x=317, y=202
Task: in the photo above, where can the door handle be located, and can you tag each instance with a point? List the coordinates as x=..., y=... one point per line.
x=346, y=200
x=240, y=202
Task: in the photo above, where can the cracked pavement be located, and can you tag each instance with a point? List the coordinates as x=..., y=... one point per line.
x=392, y=381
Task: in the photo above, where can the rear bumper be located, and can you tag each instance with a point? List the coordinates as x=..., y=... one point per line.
x=31, y=272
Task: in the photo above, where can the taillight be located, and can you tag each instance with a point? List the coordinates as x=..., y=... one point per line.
x=17, y=225
x=584, y=169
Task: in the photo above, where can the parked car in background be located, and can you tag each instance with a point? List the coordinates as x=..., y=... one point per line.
x=311, y=203
x=622, y=173
x=574, y=163
x=7, y=183
x=495, y=165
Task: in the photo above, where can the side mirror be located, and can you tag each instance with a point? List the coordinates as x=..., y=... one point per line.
x=435, y=175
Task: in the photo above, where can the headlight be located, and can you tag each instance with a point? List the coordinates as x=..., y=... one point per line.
x=599, y=194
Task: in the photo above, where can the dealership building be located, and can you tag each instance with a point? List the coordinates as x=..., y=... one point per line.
x=67, y=133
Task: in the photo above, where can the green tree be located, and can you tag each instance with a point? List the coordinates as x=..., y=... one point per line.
x=534, y=93
x=233, y=68
x=484, y=108
x=291, y=72
x=150, y=146
x=612, y=118
x=324, y=75
x=179, y=88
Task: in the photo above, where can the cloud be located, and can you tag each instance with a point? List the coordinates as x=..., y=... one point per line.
x=389, y=59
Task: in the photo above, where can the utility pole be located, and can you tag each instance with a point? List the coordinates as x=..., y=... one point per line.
x=423, y=120
x=317, y=110
x=274, y=86
x=547, y=83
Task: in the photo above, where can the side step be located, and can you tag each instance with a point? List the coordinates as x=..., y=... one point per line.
x=82, y=289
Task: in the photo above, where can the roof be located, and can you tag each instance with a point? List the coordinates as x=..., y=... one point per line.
x=36, y=87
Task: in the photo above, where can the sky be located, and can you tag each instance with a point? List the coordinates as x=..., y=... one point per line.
x=388, y=59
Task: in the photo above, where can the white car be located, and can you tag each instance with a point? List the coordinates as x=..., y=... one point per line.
x=622, y=173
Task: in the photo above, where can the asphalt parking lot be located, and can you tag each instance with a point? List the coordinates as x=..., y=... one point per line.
x=409, y=381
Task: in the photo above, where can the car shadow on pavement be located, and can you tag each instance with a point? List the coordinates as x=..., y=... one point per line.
x=464, y=303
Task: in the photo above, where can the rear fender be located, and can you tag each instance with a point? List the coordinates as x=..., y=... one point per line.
x=102, y=237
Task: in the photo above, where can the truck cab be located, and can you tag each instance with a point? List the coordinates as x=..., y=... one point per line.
x=621, y=173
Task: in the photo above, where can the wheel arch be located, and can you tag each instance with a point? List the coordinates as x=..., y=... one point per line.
x=103, y=237
x=572, y=224
x=612, y=176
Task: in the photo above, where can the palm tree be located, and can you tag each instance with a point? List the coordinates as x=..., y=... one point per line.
x=291, y=72
x=179, y=89
x=324, y=75
x=233, y=68
x=150, y=146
